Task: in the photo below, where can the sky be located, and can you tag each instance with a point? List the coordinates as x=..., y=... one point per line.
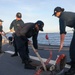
x=34, y=10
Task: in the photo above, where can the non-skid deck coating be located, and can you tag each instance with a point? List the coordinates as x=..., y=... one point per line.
x=13, y=65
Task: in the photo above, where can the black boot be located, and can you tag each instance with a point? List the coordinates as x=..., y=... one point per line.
x=71, y=71
x=23, y=62
x=1, y=51
x=29, y=60
x=13, y=55
x=29, y=66
x=69, y=63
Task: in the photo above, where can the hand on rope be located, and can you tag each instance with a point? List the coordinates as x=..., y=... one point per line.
x=36, y=52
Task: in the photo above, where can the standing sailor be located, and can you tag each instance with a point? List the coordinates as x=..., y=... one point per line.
x=1, y=33
x=15, y=24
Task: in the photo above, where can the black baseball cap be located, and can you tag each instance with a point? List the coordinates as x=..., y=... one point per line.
x=57, y=9
x=40, y=24
x=19, y=15
x=1, y=20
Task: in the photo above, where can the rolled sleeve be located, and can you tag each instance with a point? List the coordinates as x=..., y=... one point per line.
x=62, y=25
x=35, y=42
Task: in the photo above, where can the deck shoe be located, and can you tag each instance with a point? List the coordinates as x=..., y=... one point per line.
x=71, y=71
x=29, y=66
x=13, y=55
x=29, y=61
x=69, y=63
x=2, y=52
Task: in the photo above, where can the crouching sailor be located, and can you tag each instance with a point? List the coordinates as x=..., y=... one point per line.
x=66, y=19
x=29, y=30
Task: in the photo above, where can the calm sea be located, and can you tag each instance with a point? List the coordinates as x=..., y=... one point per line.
x=54, y=38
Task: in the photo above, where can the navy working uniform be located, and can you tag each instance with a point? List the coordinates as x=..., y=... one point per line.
x=1, y=30
x=16, y=24
x=67, y=19
x=29, y=30
x=0, y=39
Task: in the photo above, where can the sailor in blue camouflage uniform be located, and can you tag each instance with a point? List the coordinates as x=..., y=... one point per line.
x=15, y=25
x=1, y=30
x=66, y=19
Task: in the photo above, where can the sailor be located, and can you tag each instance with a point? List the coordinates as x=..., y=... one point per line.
x=66, y=19
x=1, y=33
x=29, y=30
x=15, y=24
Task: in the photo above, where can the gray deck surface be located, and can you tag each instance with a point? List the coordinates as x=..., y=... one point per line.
x=13, y=65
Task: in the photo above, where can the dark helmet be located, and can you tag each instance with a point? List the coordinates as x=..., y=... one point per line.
x=19, y=15
x=40, y=24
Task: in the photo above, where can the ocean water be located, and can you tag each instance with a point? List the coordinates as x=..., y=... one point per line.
x=54, y=38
